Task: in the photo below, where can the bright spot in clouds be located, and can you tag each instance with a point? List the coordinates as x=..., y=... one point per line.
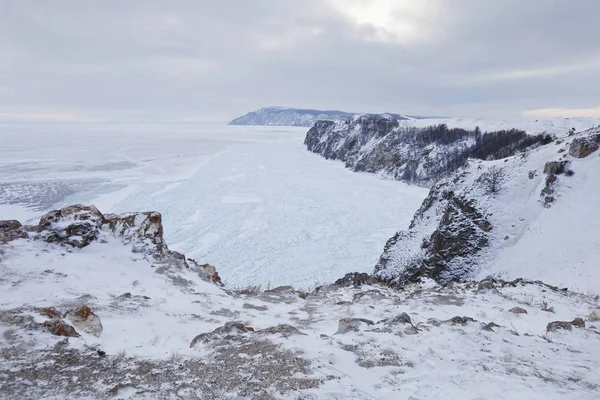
x=391, y=21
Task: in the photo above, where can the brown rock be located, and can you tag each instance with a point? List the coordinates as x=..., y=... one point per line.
x=83, y=318
x=58, y=327
x=578, y=322
x=556, y=325
x=51, y=312
x=584, y=146
x=11, y=230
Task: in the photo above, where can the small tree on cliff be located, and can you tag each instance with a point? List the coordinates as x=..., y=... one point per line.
x=492, y=180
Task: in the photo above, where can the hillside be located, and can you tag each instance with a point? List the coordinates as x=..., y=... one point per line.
x=530, y=215
x=282, y=116
x=419, y=155
x=97, y=306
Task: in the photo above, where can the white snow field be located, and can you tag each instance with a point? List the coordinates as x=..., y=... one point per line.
x=249, y=200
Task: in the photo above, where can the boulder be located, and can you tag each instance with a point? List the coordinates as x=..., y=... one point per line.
x=231, y=329
x=556, y=325
x=351, y=325
x=356, y=279
x=584, y=146
x=84, y=319
x=58, y=327
x=11, y=230
x=460, y=320
x=555, y=167
x=76, y=225
x=402, y=318
x=144, y=230
x=518, y=310
x=284, y=329
x=578, y=322
x=51, y=312
x=209, y=271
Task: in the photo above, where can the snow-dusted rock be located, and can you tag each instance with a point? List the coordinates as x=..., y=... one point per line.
x=566, y=325
x=582, y=147
x=11, y=230
x=144, y=230
x=76, y=225
x=346, y=325
x=58, y=327
x=84, y=319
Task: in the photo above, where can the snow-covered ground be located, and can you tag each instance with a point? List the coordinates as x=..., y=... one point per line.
x=249, y=200
x=465, y=341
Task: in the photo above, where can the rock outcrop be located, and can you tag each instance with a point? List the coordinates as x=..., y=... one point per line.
x=84, y=319
x=463, y=220
x=584, y=146
x=458, y=232
x=11, y=230
x=78, y=226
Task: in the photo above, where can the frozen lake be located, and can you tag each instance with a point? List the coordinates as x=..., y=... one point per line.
x=249, y=200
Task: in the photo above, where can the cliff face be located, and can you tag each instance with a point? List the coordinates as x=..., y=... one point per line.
x=378, y=144
x=526, y=215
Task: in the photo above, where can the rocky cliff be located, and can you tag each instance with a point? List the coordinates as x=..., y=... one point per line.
x=506, y=217
x=379, y=144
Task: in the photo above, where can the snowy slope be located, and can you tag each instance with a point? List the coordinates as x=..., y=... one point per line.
x=462, y=231
x=457, y=342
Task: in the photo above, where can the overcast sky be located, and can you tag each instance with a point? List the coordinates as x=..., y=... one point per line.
x=150, y=60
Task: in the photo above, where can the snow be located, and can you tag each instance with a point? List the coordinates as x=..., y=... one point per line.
x=559, y=244
x=558, y=125
x=249, y=200
x=454, y=361
x=259, y=207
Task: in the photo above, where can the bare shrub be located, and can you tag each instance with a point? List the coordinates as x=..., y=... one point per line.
x=594, y=316
x=492, y=180
x=547, y=308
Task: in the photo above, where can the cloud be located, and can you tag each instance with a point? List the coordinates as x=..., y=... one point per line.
x=155, y=60
x=403, y=22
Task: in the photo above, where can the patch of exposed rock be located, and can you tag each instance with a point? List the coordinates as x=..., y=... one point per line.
x=85, y=320
x=584, y=146
x=11, y=230
x=78, y=226
x=235, y=330
x=346, y=325
x=565, y=325
x=449, y=252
